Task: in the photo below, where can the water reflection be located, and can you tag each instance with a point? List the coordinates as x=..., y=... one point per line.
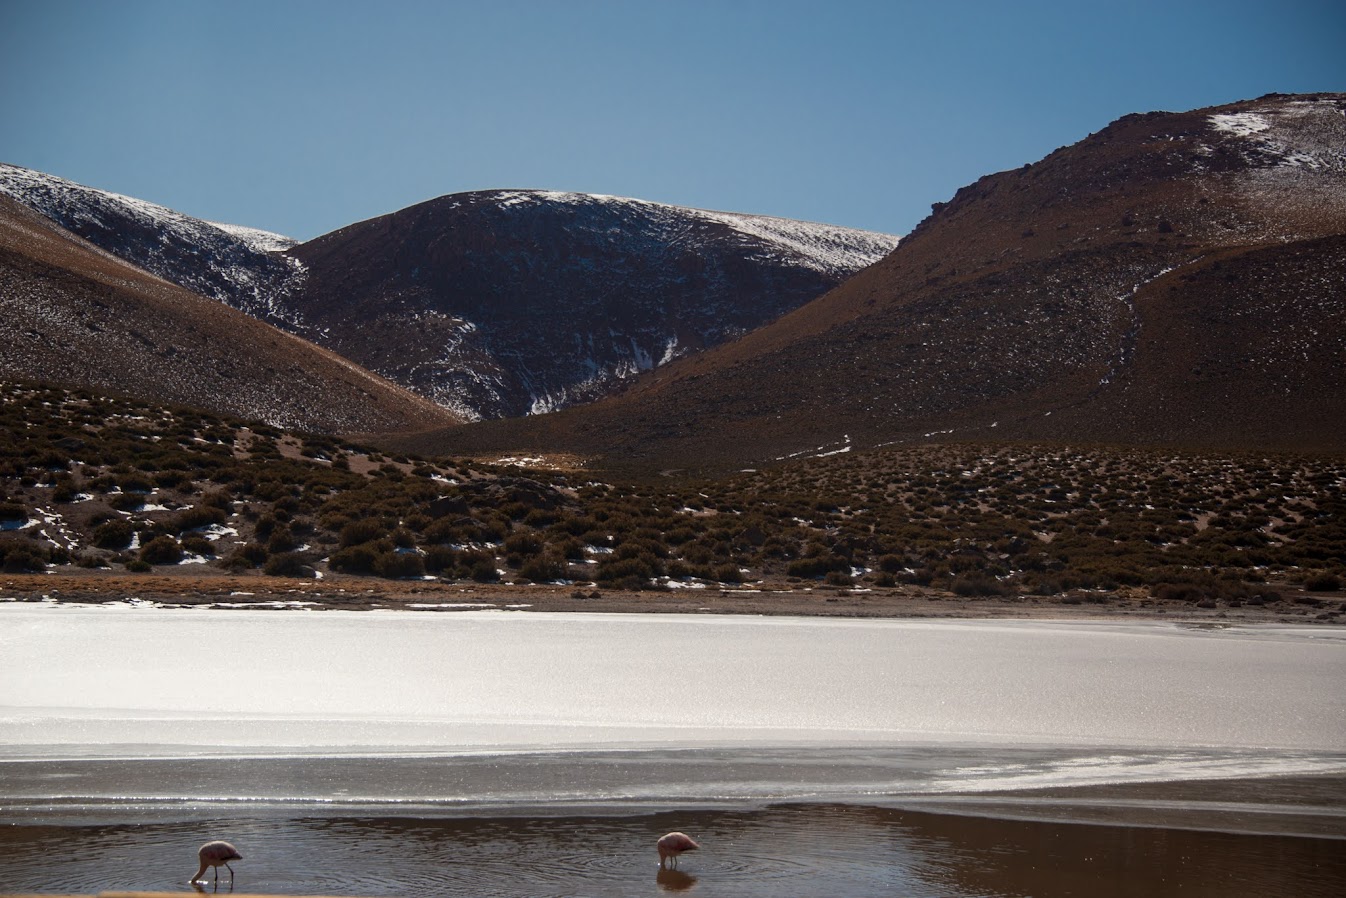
x=674, y=880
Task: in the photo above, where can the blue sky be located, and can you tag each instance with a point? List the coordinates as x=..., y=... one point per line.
x=301, y=117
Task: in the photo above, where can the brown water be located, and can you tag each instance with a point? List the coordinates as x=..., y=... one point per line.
x=804, y=850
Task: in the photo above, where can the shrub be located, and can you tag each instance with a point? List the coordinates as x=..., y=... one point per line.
x=354, y=559
x=361, y=531
x=21, y=555
x=218, y=499
x=483, y=571
x=135, y=483
x=161, y=550
x=281, y=540
x=525, y=544
x=197, y=518
x=398, y=565
x=727, y=573
x=246, y=556
x=977, y=583
x=440, y=558
x=629, y=572
x=891, y=564
x=287, y=564
x=113, y=535
x=170, y=479
x=544, y=568
x=127, y=501
x=198, y=545
x=818, y=566
x=65, y=491
x=1323, y=583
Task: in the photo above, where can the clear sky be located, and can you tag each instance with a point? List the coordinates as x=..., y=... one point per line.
x=301, y=116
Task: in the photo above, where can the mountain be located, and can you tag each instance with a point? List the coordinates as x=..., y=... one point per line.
x=1176, y=278
x=494, y=303
x=74, y=314
x=513, y=302
x=242, y=267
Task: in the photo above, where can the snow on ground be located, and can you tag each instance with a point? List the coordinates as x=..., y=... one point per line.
x=1240, y=124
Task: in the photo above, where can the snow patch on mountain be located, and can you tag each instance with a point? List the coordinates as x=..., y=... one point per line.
x=259, y=240
x=1240, y=124
x=827, y=248
x=242, y=267
x=1294, y=151
x=1295, y=133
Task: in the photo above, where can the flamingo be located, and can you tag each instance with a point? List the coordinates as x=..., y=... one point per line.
x=212, y=854
x=672, y=845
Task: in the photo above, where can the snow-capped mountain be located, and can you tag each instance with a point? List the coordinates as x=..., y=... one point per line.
x=494, y=303
x=241, y=266
x=1176, y=278
x=504, y=303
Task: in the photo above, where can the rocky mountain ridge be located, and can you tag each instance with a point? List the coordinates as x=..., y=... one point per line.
x=493, y=303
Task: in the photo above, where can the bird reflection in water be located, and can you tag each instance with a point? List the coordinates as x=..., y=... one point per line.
x=671, y=880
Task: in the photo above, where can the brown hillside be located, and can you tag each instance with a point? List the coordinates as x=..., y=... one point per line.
x=1174, y=278
x=73, y=314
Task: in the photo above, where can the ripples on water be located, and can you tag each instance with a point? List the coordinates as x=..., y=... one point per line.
x=808, y=850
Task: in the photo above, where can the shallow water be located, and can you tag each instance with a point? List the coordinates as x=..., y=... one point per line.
x=815, y=850
x=473, y=753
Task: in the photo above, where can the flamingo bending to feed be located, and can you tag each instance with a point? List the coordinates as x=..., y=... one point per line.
x=672, y=845
x=212, y=854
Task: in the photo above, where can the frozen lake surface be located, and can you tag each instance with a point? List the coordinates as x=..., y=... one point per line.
x=106, y=680
x=454, y=753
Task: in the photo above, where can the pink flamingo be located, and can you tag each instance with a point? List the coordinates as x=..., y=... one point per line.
x=672, y=845
x=212, y=854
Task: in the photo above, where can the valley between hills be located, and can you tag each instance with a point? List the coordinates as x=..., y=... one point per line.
x=1109, y=383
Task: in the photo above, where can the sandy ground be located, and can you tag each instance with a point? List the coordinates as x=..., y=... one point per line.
x=224, y=590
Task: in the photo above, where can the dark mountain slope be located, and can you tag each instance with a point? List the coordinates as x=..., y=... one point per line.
x=76, y=315
x=506, y=303
x=1050, y=302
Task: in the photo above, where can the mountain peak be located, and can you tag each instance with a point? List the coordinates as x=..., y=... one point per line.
x=500, y=303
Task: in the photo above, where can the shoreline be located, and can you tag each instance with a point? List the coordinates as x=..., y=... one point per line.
x=224, y=591
x=1306, y=806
